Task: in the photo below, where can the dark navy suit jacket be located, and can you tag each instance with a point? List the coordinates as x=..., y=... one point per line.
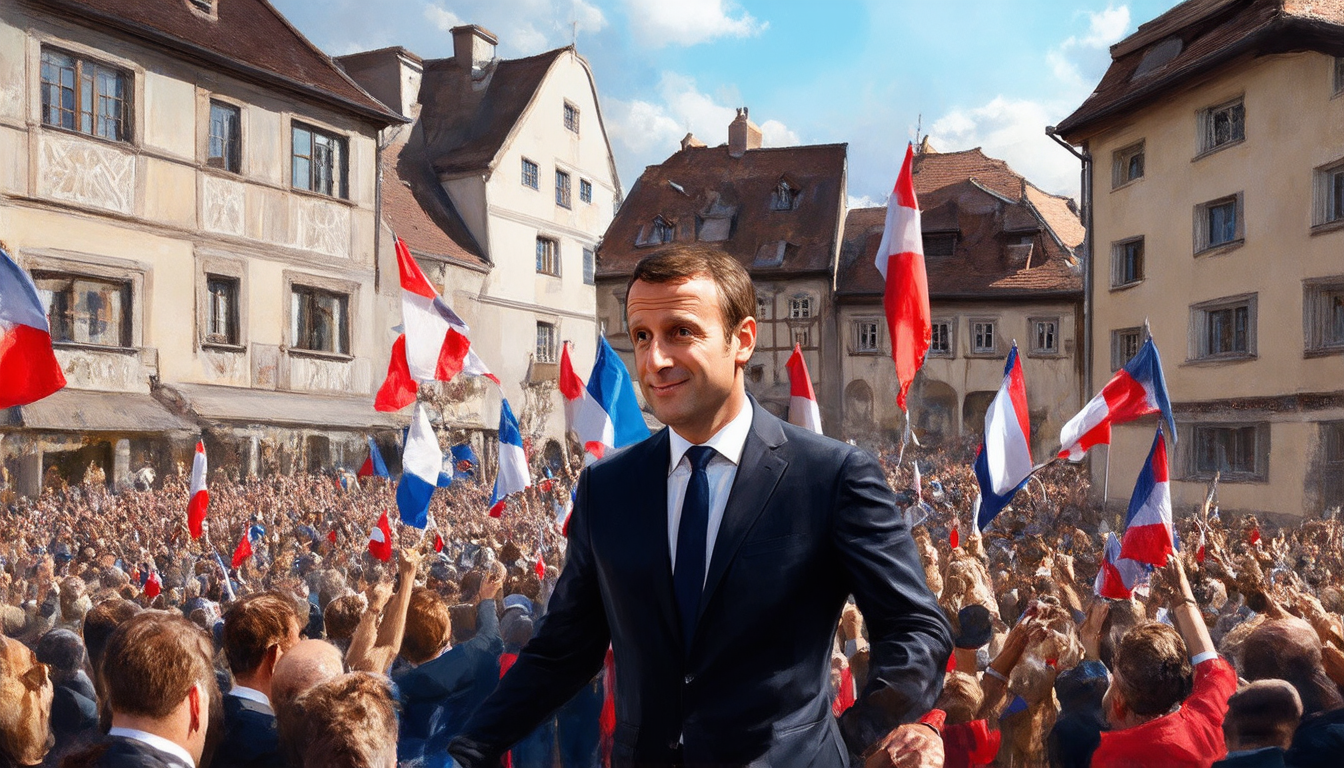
x=118, y=752
x=809, y=522
x=250, y=738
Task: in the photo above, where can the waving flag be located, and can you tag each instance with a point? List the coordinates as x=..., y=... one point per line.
x=438, y=542
x=1136, y=390
x=605, y=414
x=200, y=497
x=374, y=465
x=1004, y=463
x=513, y=475
x=1118, y=575
x=28, y=367
x=1148, y=530
x=464, y=460
x=421, y=463
x=540, y=567
x=380, y=539
x=900, y=260
x=584, y=415
x=435, y=345
x=803, y=410
x=242, y=551
x=153, y=585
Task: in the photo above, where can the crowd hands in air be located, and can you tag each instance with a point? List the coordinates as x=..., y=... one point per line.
x=313, y=653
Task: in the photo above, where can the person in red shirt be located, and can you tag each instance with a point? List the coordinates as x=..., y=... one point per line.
x=1158, y=716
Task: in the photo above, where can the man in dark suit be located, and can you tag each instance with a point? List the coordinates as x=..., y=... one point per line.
x=258, y=630
x=715, y=557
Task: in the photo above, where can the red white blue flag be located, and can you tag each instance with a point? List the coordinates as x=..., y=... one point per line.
x=1148, y=530
x=28, y=367
x=1136, y=390
x=1118, y=576
x=513, y=475
x=1004, y=463
x=380, y=539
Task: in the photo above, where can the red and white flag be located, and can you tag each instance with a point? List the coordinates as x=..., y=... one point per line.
x=438, y=542
x=540, y=567
x=242, y=551
x=380, y=539
x=153, y=585
x=28, y=367
x=803, y=410
x=200, y=497
x=900, y=260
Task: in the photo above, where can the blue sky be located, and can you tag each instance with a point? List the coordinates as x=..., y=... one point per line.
x=990, y=73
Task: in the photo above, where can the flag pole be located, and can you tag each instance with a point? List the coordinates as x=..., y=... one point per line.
x=1106, y=477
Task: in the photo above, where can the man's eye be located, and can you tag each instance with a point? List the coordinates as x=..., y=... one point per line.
x=684, y=332
x=641, y=336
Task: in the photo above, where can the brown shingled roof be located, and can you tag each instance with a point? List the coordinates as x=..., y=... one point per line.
x=701, y=183
x=249, y=37
x=935, y=170
x=1196, y=37
x=465, y=127
x=418, y=210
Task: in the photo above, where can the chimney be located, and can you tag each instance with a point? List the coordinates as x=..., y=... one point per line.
x=742, y=134
x=689, y=141
x=473, y=47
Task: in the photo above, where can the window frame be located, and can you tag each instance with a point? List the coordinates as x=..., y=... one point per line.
x=1120, y=161
x=860, y=325
x=589, y=266
x=1033, y=333
x=1327, y=201
x=927, y=237
x=551, y=355
x=951, y=351
x=342, y=333
x=232, y=148
x=340, y=187
x=1118, y=357
x=978, y=350
x=124, y=76
x=529, y=165
x=126, y=286
x=232, y=338
x=1260, y=452
x=572, y=118
x=1207, y=127
x=1316, y=295
x=585, y=191
x=802, y=308
x=1201, y=316
x=551, y=254
x=1203, y=221
x=1119, y=260
x=564, y=189
x=1337, y=72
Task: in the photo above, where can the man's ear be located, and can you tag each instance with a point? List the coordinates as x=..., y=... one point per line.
x=194, y=698
x=272, y=657
x=746, y=340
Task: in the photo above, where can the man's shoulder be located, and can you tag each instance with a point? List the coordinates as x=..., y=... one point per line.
x=246, y=710
x=119, y=752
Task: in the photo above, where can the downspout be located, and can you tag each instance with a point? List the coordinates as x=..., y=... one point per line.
x=1085, y=195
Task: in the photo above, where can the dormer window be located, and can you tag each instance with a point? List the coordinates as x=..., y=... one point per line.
x=661, y=231
x=941, y=244
x=207, y=8
x=784, y=197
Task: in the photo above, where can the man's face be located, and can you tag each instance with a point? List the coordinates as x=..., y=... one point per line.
x=687, y=364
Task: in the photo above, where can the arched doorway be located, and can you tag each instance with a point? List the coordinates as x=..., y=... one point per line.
x=973, y=412
x=858, y=405
x=934, y=405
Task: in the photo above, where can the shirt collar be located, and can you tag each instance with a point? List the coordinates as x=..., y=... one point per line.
x=728, y=442
x=250, y=694
x=157, y=742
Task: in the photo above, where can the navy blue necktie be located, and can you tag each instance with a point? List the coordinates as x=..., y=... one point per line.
x=688, y=577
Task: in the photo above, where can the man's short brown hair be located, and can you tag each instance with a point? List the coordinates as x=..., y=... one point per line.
x=1152, y=669
x=1263, y=714
x=679, y=263
x=342, y=616
x=152, y=661
x=254, y=624
x=346, y=722
x=99, y=624
x=427, y=626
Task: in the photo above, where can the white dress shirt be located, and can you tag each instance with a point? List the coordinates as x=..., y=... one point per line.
x=157, y=742
x=727, y=443
x=253, y=695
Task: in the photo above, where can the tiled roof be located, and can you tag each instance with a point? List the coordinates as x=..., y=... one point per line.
x=248, y=36
x=965, y=192
x=1196, y=37
x=418, y=210
x=708, y=185
x=467, y=125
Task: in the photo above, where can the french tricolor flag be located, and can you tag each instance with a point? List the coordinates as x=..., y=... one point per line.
x=1136, y=390
x=200, y=497
x=28, y=367
x=1118, y=575
x=1148, y=531
x=513, y=475
x=1004, y=462
x=604, y=413
x=434, y=345
x=584, y=416
x=803, y=411
x=421, y=463
x=380, y=539
x=373, y=466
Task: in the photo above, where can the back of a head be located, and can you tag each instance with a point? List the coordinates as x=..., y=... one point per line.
x=62, y=650
x=961, y=697
x=1263, y=714
x=427, y=626
x=346, y=722
x=462, y=620
x=1153, y=669
x=341, y=616
x=152, y=661
x=101, y=621
x=307, y=664
x=254, y=624
x=679, y=263
x=1081, y=689
x=1290, y=650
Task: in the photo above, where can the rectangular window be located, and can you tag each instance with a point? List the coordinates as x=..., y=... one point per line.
x=319, y=161
x=226, y=137
x=1218, y=222
x=1224, y=328
x=571, y=117
x=86, y=310
x=546, y=343
x=1323, y=301
x=320, y=320
x=802, y=337
x=1329, y=193
x=763, y=308
x=800, y=307
x=1332, y=435
x=1339, y=75
x=530, y=174
x=940, y=339
x=1045, y=336
x=548, y=256
x=1125, y=344
x=1126, y=262
x=85, y=96
x=1222, y=125
x=940, y=245
x=1238, y=451
x=585, y=191
x=983, y=337
x=865, y=337
x=221, y=321
x=562, y=189
x=589, y=267
x=1127, y=165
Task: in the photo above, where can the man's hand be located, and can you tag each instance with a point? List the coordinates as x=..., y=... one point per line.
x=1090, y=632
x=409, y=561
x=913, y=745
x=492, y=583
x=851, y=622
x=378, y=594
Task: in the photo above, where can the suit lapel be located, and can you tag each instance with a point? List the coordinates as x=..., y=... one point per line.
x=650, y=482
x=758, y=474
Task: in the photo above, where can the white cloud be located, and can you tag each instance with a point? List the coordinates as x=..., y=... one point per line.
x=657, y=23
x=441, y=17
x=588, y=16
x=524, y=27
x=1104, y=28
x=863, y=202
x=777, y=134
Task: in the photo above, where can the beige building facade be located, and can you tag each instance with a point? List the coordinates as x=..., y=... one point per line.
x=204, y=236
x=1219, y=222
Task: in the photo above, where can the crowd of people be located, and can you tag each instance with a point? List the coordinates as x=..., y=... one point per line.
x=128, y=643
